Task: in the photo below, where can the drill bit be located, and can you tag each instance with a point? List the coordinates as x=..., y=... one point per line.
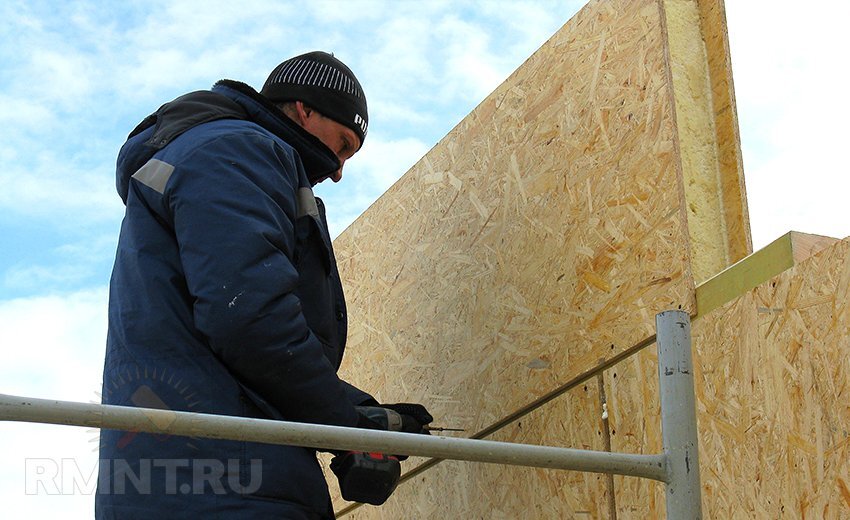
x=441, y=429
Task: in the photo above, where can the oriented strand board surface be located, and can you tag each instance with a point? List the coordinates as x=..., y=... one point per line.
x=454, y=489
x=540, y=235
x=634, y=409
x=773, y=387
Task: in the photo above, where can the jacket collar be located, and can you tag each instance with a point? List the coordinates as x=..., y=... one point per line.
x=319, y=161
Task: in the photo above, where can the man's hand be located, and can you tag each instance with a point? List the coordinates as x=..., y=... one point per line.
x=414, y=417
x=401, y=417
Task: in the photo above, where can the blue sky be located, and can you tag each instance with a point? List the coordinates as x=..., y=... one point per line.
x=77, y=77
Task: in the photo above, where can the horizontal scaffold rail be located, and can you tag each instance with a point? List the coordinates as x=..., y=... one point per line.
x=170, y=422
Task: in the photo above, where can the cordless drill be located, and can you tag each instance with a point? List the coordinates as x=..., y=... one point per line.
x=372, y=477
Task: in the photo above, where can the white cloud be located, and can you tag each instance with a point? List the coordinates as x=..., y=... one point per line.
x=530, y=23
x=471, y=65
x=35, y=276
x=61, y=77
x=383, y=113
x=54, y=349
x=57, y=344
x=60, y=452
x=383, y=161
x=400, y=63
x=23, y=114
x=67, y=266
x=48, y=185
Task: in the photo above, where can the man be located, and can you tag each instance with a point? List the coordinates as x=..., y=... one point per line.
x=225, y=296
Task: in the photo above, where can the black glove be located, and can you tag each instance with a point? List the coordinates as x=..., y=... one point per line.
x=414, y=417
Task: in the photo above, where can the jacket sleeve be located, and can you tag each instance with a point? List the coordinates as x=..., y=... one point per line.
x=358, y=397
x=232, y=201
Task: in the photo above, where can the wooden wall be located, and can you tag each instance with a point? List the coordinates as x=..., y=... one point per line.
x=540, y=236
x=772, y=374
x=773, y=385
x=455, y=489
x=531, y=248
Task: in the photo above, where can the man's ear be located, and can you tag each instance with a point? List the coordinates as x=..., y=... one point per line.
x=302, y=112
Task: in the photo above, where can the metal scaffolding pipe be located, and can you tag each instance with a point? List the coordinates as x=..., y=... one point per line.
x=678, y=415
x=169, y=422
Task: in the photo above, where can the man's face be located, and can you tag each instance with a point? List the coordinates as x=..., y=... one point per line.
x=339, y=138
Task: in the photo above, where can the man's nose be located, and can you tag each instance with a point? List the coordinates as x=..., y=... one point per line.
x=337, y=175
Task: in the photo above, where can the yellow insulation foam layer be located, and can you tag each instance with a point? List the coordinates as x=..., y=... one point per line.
x=696, y=136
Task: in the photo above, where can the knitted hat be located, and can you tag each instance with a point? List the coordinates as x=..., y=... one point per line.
x=323, y=82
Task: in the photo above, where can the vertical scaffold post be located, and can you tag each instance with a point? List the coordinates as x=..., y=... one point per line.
x=678, y=415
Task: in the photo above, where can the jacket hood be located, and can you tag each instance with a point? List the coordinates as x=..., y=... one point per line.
x=226, y=100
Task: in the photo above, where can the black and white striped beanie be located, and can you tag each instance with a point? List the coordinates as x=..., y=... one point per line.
x=323, y=82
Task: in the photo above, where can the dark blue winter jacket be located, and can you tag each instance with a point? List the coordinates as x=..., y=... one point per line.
x=225, y=299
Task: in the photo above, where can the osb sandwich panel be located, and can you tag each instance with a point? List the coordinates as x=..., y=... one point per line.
x=537, y=238
x=540, y=235
x=725, y=114
x=707, y=128
x=773, y=386
x=456, y=489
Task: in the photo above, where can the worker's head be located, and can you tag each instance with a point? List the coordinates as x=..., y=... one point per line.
x=321, y=94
